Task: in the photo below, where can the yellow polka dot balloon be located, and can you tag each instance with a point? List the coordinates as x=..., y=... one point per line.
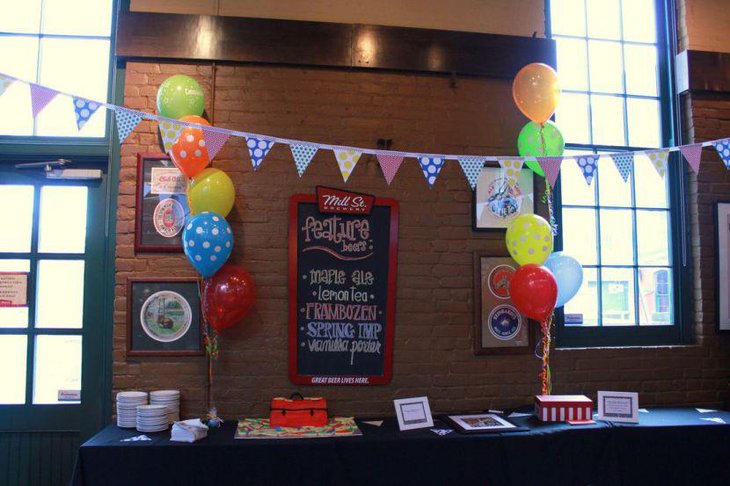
x=529, y=239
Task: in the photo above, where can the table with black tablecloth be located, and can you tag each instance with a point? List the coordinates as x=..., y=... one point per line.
x=668, y=446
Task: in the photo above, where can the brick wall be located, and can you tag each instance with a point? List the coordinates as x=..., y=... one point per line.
x=434, y=319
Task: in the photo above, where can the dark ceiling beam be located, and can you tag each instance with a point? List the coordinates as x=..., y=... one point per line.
x=247, y=40
x=703, y=72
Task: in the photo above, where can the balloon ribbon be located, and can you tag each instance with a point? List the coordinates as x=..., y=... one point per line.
x=548, y=196
x=210, y=340
x=545, y=374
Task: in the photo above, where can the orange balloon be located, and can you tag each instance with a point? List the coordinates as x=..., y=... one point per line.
x=536, y=90
x=189, y=153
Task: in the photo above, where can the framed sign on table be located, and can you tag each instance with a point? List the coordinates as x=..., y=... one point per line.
x=499, y=327
x=497, y=203
x=161, y=206
x=163, y=317
x=722, y=240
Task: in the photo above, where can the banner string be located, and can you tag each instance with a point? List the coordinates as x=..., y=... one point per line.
x=292, y=141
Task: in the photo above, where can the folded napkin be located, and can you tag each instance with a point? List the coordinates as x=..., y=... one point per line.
x=188, y=431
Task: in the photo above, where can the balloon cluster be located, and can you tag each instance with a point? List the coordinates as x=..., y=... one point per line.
x=545, y=280
x=228, y=291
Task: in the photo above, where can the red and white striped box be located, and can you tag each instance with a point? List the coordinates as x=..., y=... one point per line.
x=559, y=408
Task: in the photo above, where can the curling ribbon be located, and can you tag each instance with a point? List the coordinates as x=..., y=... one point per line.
x=545, y=374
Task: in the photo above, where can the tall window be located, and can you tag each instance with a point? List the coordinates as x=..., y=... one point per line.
x=613, y=65
x=63, y=44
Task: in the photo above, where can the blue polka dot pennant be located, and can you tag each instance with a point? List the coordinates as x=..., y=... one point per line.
x=303, y=155
x=624, y=163
x=723, y=150
x=588, y=164
x=258, y=149
x=472, y=167
x=84, y=109
x=431, y=166
x=127, y=121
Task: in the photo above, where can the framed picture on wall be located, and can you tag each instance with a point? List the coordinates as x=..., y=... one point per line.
x=161, y=206
x=496, y=203
x=163, y=317
x=722, y=223
x=499, y=327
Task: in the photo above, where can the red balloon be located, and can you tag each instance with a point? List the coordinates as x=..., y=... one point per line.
x=534, y=291
x=228, y=296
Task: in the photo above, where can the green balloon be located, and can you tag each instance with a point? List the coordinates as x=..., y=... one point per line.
x=180, y=96
x=530, y=143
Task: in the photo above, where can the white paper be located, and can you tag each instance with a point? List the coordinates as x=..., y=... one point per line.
x=375, y=423
x=618, y=406
x=518, y=415
x=442, y=432
x=705, y=410
x=717, y=420
x=643, y=410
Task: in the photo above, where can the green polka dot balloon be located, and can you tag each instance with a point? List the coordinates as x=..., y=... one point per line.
x=529, y=239
x=180, y=96
x=530, y=144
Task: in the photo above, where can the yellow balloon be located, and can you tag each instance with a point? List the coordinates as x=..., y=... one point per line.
x=211, y=190
x=529, y=239
x=536, y=90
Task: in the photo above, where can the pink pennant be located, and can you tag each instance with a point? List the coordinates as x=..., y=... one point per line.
x=390, y=165
x=40, y=96
x=214, y=141
x=693, y=154
x=551, y=167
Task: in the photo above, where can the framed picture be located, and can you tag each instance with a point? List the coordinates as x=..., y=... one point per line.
x=496, y=203
x=722, y=222
x=618, y=406
x=161, y=206
x=483, y=422
x=163, y=317
x=499, y=327
x=413, y=413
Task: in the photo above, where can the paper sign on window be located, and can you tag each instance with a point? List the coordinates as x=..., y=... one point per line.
x=13, y=289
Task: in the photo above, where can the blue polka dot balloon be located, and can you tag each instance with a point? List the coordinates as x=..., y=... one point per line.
x=208, y=242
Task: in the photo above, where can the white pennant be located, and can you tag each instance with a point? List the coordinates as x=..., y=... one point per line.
x=346, y=160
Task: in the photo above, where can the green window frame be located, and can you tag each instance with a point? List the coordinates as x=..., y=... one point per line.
x=635, y=333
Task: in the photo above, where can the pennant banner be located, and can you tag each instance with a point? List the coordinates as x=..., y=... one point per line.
x=127, y=121
x=5, y=84
x=431, y=166
x=723, y=150
x=693, y=154
x=214, y=141
x=84, y=109
x=40, y=96
x=588, y=165
x=623, y=162
x=511, y=168
x=170, y=132
x=472, y=167
x=551, y=167
x=258, y=149
x=346, y=160
x=389, y=164
x=303, y=155
x=659, y=159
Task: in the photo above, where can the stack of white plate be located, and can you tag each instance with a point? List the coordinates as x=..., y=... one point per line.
x=127, y=403
x=169, y=398
x=152, y=418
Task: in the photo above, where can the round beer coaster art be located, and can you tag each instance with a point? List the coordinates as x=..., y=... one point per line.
x=499, y=279
x=166, y=316
x=504, y=322
x=169, y=217
x=503, y=200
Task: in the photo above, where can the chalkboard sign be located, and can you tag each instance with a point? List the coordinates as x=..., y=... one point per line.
x=342, y=273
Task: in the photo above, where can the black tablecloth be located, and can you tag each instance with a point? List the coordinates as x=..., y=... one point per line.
x=668, y=446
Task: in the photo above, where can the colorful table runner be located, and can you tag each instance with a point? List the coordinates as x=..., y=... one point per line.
x=260, y=428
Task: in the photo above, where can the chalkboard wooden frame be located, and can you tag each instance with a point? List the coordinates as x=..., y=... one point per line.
x=294, y=375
